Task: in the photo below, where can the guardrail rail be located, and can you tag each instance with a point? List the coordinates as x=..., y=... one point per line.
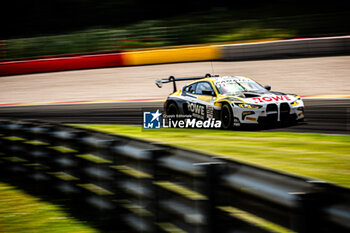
x=120, y=184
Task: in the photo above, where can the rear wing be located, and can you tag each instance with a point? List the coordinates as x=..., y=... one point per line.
x=159, y=82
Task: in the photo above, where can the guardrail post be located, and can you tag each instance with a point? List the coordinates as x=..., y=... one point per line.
x=156, y=155
x=212, y=177
x=308, y=217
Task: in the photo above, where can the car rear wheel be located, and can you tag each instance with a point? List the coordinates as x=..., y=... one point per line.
x=226, y=116
x=172, y=109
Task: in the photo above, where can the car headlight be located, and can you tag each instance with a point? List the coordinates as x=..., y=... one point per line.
x=295, y=103
x=250, y=106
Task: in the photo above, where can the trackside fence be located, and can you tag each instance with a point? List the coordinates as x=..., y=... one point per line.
x=123, y=184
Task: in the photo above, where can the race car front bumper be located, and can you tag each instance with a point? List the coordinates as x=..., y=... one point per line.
x=269, y=113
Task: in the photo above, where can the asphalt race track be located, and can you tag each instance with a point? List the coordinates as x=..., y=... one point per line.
x=321, y=115
x=302, y=76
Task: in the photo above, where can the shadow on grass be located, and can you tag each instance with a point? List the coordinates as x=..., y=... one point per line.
x=74, y=206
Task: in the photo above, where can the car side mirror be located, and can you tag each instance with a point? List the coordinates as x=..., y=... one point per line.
x=267, y=88
x=208, y=92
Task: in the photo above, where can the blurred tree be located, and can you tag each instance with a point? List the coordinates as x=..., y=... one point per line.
x=40, y=17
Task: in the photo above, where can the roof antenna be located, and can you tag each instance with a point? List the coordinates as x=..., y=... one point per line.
x=212, y=69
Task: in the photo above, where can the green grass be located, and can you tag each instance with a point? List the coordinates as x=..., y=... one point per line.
x=252, y=31
x=325, y=157
x=20, y=212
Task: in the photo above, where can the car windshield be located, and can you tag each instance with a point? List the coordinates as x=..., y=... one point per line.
x=232, y=86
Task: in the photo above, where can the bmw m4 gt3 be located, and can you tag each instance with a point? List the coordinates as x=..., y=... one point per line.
x=235, y=100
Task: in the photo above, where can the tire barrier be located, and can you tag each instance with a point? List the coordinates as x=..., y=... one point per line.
x=120, y=183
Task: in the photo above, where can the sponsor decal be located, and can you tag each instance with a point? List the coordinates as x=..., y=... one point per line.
x=197, y=110
x=250, y=118
x=272, y=98
x=210, y=112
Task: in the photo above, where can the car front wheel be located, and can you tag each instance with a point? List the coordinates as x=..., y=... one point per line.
x=226, y=116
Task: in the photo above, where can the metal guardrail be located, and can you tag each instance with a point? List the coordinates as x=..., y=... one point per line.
x=121, y=183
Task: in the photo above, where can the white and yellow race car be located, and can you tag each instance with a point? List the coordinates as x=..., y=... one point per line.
x=235, y=100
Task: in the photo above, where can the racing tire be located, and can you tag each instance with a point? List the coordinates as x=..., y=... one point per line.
x=226, y=116
x=172, y=109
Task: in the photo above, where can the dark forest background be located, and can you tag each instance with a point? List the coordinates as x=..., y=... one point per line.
x=47, y=17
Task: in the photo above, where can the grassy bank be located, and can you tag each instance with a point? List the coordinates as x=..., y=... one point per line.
x=320, y=156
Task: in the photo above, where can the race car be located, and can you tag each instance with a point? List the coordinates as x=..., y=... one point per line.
x=235, y=100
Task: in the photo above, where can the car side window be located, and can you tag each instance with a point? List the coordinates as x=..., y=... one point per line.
x=201, y=86
x=191, y=88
